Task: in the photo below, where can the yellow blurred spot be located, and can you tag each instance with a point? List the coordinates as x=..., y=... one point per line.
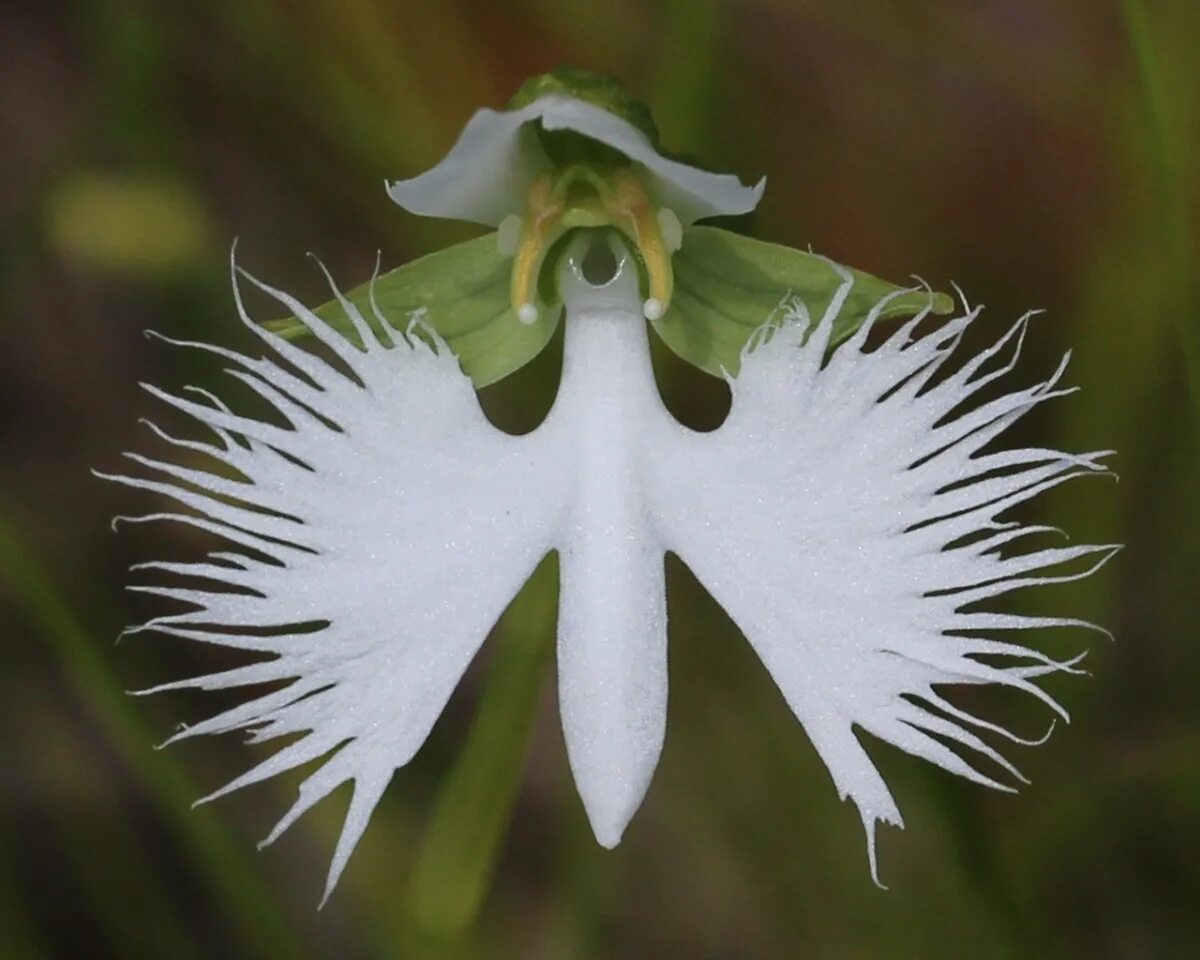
x=135, y=225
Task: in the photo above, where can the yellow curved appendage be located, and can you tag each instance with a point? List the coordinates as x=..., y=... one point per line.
x=543, y=215
x=637, y=218
x=615, y=198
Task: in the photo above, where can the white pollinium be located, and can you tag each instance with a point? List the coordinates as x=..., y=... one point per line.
x=850, y=516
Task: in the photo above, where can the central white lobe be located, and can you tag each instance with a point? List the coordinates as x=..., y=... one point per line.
x=612, y=632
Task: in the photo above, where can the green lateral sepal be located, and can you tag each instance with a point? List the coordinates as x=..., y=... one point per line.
x=727, y=286
x=462, y=293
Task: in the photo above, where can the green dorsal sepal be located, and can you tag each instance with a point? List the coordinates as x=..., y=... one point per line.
x=565, y=147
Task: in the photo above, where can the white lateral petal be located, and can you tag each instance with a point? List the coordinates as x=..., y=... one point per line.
x=823, y=517
x=398, y=526
x=486, y=175
x=417, y=523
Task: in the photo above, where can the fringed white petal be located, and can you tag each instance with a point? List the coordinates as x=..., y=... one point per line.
x=380, y=527
x=487, y=173
x=848, y=518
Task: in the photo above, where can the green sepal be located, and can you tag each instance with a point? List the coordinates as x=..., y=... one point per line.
x=462, y=293
x=727, y=286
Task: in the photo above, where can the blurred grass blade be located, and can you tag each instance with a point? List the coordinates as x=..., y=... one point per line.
x=20, y=937
x=226, y=874
x=1167, y=166
x=113, y=862
x=471, y=815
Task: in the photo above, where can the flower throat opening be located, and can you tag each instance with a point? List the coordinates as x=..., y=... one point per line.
x=599, y=264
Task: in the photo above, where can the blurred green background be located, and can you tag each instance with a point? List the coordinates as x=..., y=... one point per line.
x=1041, y=153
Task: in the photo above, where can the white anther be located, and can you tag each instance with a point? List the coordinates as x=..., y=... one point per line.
x=652, y=308
x=527, y=313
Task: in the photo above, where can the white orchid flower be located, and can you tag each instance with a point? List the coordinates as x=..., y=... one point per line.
x=850, y=515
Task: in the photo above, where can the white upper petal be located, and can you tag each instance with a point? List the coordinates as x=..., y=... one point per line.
x=486, y=175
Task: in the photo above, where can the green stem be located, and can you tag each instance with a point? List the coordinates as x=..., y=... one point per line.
x=686, y=68
x=227, y=874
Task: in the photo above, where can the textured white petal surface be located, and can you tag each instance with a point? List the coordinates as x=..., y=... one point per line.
x=384, y=525
x=487, y=173
x=849, y=515
x=612, y=630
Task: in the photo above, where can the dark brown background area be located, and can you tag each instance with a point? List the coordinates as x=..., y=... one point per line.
x=1040, y=153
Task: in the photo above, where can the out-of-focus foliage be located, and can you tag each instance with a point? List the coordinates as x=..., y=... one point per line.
x=1039, y=152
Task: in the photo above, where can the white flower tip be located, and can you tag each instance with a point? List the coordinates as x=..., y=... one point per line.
x=527, y=313
x=609, y=838
x=652, y=308
x=508, y=235
x=609, y=819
